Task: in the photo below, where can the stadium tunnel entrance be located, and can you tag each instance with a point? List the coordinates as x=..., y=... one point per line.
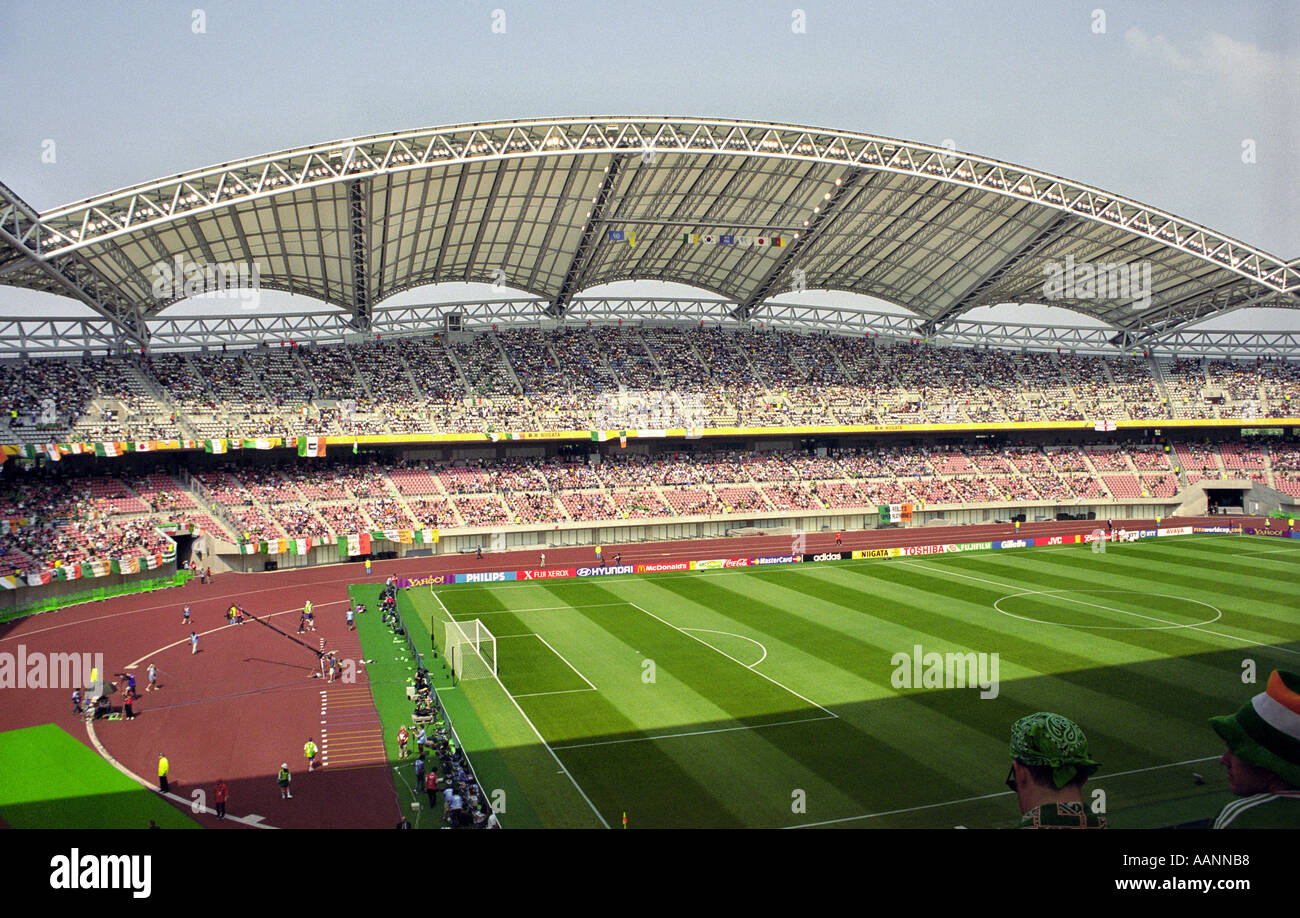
x=184, y=550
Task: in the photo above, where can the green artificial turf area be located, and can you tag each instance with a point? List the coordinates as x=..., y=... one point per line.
x=771, y=697
x=51, y=781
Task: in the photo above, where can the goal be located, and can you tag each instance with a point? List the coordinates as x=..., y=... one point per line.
x=472, y=650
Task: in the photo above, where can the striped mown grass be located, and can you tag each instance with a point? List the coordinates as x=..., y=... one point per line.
x=775, y=697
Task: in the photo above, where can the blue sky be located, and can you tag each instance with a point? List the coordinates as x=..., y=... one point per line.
x=1156, y=107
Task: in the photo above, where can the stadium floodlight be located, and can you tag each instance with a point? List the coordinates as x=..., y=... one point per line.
x=472, y=650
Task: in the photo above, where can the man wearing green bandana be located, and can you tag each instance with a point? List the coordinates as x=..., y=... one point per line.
x=1263, y=758
x=1049, y=765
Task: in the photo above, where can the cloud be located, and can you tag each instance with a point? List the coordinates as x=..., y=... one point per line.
x=1242, y=66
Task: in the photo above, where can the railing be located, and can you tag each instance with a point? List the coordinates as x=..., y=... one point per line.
x=50, y=603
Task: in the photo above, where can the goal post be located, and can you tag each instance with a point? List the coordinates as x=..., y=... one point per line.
x=472, y=650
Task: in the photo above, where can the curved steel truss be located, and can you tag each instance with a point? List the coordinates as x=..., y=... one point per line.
x=554, y=207
x=60, y=337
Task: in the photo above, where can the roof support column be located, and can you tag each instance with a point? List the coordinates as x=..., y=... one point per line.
x=586, y=246
x=768, y=283
x=358, y=234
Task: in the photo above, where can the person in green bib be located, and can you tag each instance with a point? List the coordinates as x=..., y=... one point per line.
x=1263, y=757
x=309, y=753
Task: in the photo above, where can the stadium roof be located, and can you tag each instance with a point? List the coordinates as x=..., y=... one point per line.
x=540, y=206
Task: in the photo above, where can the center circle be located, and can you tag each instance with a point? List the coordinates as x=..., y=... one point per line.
x=1159, y=624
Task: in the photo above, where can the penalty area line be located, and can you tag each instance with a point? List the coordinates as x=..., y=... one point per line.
x=664, y=736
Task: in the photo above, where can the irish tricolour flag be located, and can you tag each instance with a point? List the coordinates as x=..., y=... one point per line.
x=311, y=446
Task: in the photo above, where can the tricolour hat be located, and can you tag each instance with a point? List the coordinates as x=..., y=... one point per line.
x=1050, y=740
x=1266, y=731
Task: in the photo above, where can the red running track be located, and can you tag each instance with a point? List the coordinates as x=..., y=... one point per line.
x=246, y=702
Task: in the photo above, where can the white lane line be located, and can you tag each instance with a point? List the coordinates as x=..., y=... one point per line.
x=176, y=604
x=252, y=820
x=134, y=663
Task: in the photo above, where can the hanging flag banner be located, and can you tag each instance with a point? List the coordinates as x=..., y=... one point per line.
x=743, y=242
x=311, y=446
x=353, y=545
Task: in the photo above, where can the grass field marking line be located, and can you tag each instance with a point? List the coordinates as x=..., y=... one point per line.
x=1270, y=551
x=569, y=691
x=566, y=662
x=1169, y=626
x=474, y=615
x=663, y=736
x=733, y=634
x=931, y=806
x=185, y=803
x=1005, y=586
x=528, y=720
x=734, y=660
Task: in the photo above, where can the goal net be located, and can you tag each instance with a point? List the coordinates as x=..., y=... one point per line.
x=472, y=650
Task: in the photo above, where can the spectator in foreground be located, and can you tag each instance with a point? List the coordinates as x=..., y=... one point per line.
x=1049, y=765
x=1263, y=757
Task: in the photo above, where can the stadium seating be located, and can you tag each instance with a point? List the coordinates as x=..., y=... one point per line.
x=613, y=377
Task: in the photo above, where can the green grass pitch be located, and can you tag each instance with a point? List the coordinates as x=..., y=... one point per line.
x=51, y=781
x=767, y=697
